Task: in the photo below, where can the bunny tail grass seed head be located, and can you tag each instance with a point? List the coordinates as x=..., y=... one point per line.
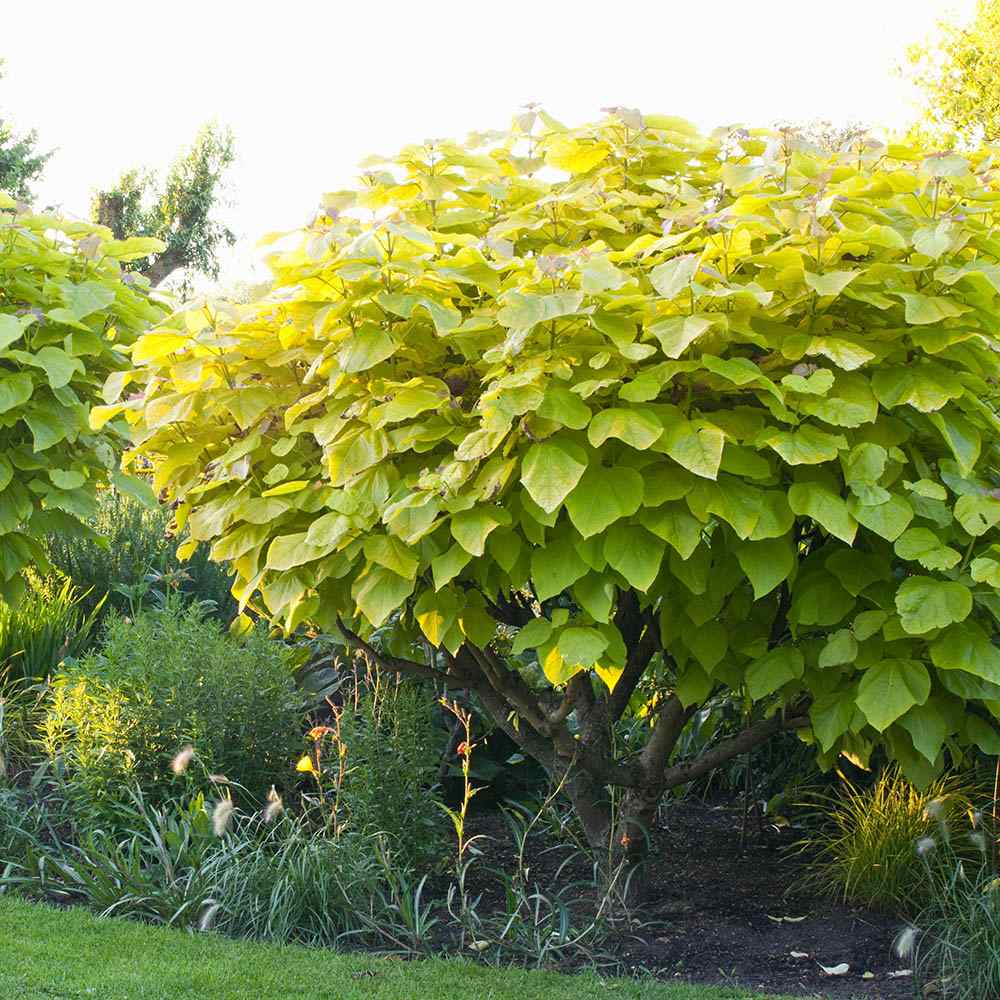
x=274, y=806
x=905, y=942
x=207, y=919
x=221, y=815
x=184, y=757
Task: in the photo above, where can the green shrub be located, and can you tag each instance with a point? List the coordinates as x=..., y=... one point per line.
x=393, y=754
x=168, y=680
x=49, y=623
x=292, y=885
x=867, y=846
x=285, y=881
x=133, y=545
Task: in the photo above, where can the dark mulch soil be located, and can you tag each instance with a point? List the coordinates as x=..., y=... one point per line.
x=709, y=906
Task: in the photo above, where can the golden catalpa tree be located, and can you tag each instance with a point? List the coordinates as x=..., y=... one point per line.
x=608, y=420
x=68, y=315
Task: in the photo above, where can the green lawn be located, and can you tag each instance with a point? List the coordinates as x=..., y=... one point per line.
x=49, y=953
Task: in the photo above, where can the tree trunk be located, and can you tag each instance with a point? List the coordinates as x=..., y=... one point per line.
x=636, y=824
x=162, y=267
x=592, y=805
x=634, y=839
x=621, y=838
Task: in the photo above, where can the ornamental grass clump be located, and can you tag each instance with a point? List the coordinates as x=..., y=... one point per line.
x=875, y=844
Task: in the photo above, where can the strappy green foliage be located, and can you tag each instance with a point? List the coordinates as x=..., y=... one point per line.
x=66, y=316
x=745, y=380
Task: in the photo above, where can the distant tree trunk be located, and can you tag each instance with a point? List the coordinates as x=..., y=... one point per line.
x=163, y=266
x=110, y=206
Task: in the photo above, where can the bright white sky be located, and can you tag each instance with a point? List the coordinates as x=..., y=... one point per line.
x=310, y=88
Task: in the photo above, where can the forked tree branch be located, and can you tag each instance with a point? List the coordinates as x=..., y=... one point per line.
x=512, y=687
x=672, y=717
x=524, y=736
x=725, y=751
x=393, y=664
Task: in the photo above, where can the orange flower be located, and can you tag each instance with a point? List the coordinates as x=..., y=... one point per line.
x=318, y=732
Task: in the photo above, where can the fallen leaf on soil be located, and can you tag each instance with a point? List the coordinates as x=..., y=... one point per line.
x=835, y=970
x=867, y=975
x=900, y=973
x=786, y=920
x=799, y=954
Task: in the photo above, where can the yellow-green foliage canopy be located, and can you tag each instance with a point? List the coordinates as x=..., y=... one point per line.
x=65, y=316
x=748, y=381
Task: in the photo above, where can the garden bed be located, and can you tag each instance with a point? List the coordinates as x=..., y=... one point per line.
x=712, y=907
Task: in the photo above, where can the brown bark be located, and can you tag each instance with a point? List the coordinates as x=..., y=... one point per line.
x=109, y=213
x=163, y=266
x=110, y=206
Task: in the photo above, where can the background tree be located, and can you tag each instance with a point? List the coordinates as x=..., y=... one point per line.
x=959, y=73
x=20, y=161
x=67, y=317
x=680, y=415
x=180, y=211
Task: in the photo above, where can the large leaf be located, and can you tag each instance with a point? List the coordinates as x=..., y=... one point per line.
x=676, y=526
x=774, y=670
x=889, y=519
x=550, y=472
x=635, y=427
x=697, y=447
x=365, y=349
x=11, y=329
x=677, y=333
x=603, y=496
x=582, y=646
x=556, y=567
x=471, y=528
x=977, y=514
x=967, y=647
x=674, y=276
x=380, y=592
x=826, y=508
x=890, y=688
x=922, y=545
x=766, y=563
x=924, y=603
x=634, y=553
